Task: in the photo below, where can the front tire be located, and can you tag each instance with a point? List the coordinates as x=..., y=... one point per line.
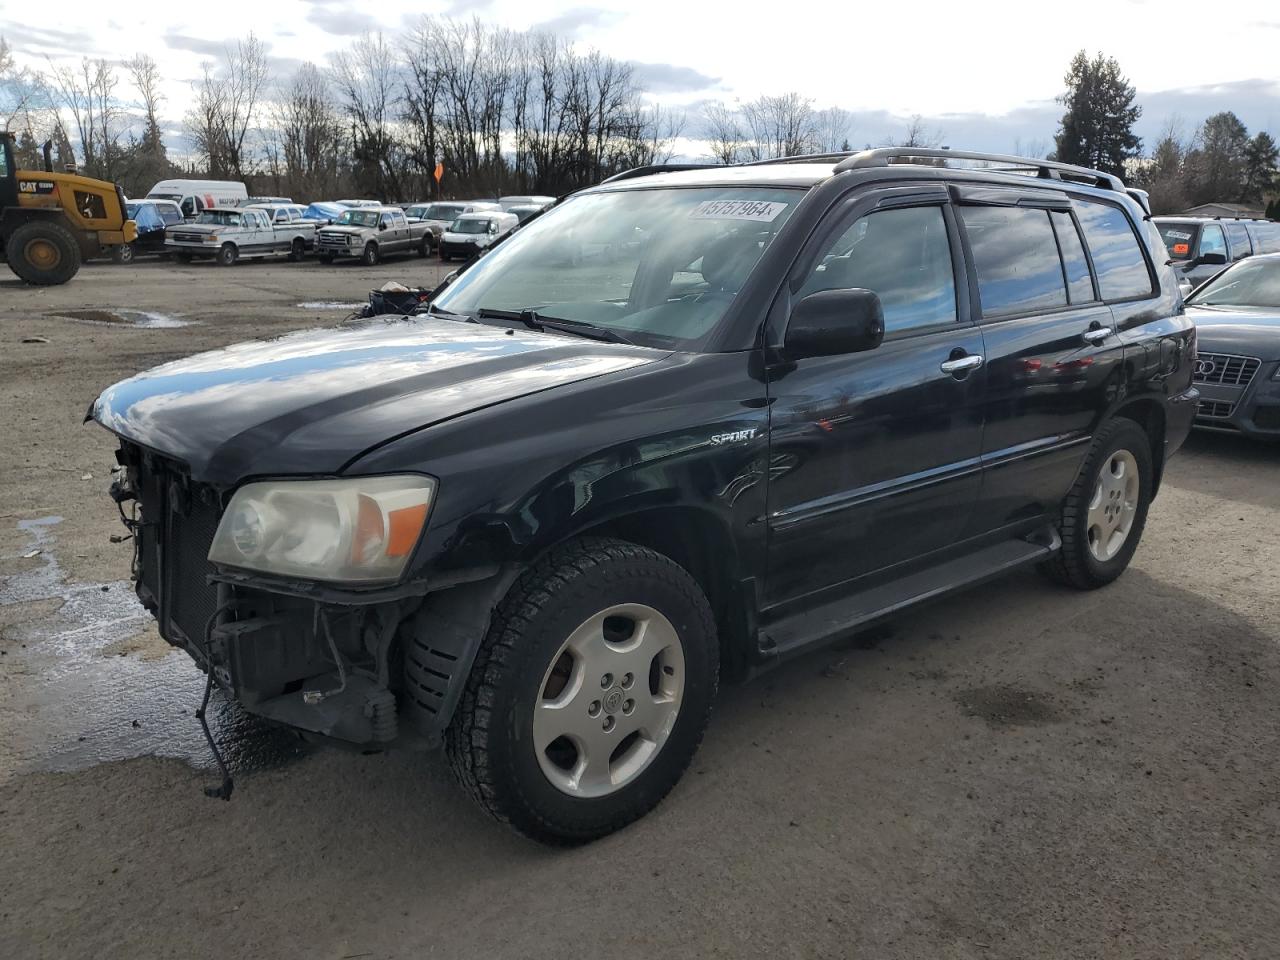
x=590, y=693
x=1105, y=512
x=43, y=253
x=370, y=257
x=123, y=253
x=227, y=255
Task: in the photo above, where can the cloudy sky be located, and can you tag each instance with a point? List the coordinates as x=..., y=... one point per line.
x=983, y=74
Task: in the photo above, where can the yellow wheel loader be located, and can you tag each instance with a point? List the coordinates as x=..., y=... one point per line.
x=50, y=222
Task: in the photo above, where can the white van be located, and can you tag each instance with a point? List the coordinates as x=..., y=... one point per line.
x=193, y=196
x=473, y=232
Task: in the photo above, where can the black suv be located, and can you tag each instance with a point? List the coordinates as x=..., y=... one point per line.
x=686, y=423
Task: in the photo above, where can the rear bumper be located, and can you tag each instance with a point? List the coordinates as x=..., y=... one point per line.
x=1251, y=409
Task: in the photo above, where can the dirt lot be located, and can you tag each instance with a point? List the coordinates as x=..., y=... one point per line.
x=1022, y=772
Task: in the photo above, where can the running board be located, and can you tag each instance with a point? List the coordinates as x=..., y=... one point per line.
x=849, y=613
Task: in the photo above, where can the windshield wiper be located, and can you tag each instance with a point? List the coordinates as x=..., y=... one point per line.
x=536, y=321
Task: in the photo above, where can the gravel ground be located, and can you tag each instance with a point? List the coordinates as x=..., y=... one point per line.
x=1020, y=772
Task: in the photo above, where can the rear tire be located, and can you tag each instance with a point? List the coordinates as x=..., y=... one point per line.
x=297, y=250
x=1104, y=514
x=227, y=255
x=424, y=248
x=627, y=639
x=43, y=253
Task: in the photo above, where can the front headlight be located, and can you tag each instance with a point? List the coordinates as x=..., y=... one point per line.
x=211, y=238
x=360, y=530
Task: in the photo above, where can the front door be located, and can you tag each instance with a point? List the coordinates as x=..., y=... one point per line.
x=874, y=457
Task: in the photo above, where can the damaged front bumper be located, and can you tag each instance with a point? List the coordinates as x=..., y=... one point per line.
x=369, y=667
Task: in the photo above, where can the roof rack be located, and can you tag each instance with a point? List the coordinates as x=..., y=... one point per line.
x=799, y=158
x=1047, y=169
x=658, y=168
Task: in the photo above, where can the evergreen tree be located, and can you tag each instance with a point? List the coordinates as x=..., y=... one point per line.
x=1261, y=157
x=27, y=151
x=64, y=154
x=1216, y=166
x=1097, y=127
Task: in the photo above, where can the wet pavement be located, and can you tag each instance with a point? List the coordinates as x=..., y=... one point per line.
x=89, y=682
x=142, y=319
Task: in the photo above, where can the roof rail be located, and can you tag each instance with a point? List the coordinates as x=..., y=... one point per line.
x=799, y=158
x=1048, y=169
x=658, y=168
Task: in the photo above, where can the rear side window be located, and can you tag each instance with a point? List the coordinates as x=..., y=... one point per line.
x=1117, y=256
x=1074, y=263
x=904, y=256
x=1238, y=238
x=1016, y=259
x=1266, y=237
x=1212, y=240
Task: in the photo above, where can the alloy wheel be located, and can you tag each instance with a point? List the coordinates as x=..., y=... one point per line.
x=1114, y=505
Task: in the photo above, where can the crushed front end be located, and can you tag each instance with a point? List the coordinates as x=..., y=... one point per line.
x=318, y=659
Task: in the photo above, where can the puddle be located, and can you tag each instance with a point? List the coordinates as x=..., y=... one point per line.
x=144, y=319
x=328, y=305
x=70, y=700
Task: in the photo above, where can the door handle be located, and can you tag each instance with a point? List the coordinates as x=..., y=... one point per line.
x=1097, y=334
x=960, y=364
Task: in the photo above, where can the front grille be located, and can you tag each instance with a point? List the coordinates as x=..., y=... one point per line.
x=1226, y=369
x=1215, y=409
x=187, y=237
x=334, y=240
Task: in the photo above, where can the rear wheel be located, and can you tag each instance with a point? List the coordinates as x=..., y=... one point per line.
x=227, y=255
x=297, y=250
x=43, y=253
x=1104, y=514
x=123, y=253
x=590, y=693
x=424, y=248
x=370, y=257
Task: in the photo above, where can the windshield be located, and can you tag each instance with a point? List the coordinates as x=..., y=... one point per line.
x=1251, y=283
x=470, y=226
x=657, y=266
x=1179, y=239
x=443, y=211
x=222, y=218
x=358, y=218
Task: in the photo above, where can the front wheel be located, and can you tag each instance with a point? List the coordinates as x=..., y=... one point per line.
x=325, y=258
x=227, y=255
x=1106, y=510
x=123, y=253
x=43, y=253
x=370, y=257
x=590, y=693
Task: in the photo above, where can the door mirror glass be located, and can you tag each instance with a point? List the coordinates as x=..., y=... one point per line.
x=833, y=322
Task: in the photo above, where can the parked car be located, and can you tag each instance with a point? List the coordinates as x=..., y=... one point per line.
x=473, y=232
x=196, y=196
x=1237, y=318
x=322, y=212
x=525, y=212
x=153, y=217
x=1201, y=246
x=228, y=234
x=525, y=201
x=538, y=522
x=437, y=216
x=358, y=203
x=371, y=234
x=290, y=226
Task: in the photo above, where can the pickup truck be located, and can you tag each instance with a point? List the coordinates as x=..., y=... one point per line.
x=228, y=234
x=372, y=234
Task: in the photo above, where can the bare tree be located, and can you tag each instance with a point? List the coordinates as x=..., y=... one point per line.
x=228, y=98
x=783, y=125
x=917, y=135
x=87, y=91
x=307, y=135
x=368, y=79
x=1034, y=149
x=149, y=162
x=833, y=128
x=723, y=130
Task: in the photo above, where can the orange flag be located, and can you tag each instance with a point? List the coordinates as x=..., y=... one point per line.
x=439, y=171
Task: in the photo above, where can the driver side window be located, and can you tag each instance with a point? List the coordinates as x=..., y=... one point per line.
x=903, y=255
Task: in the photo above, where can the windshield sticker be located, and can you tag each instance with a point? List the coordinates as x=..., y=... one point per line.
x=764, y=211
x=1177, y=235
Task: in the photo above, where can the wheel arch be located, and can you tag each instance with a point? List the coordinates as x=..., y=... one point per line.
x=1149, y=414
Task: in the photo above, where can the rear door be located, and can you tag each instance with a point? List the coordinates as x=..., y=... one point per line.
x=874, y=457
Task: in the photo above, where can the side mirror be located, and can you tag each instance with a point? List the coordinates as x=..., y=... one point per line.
x=1213, y=259
x=382, y=226
x=833, y=322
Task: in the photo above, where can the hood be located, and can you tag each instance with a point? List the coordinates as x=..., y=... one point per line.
x=191, y=227
x=477, y=238
x=345, y=228
x=315, y=400
x=1247, y=331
